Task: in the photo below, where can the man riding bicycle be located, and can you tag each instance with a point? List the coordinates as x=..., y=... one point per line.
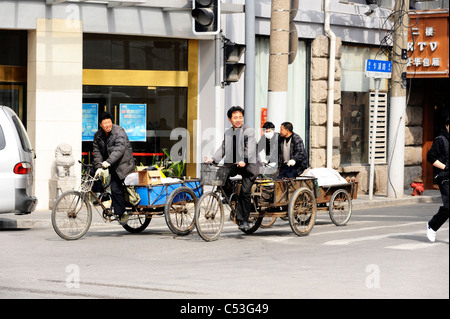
x=240, y=147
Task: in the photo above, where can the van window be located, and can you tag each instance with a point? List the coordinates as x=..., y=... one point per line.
x=2, y=139
x=22, y=134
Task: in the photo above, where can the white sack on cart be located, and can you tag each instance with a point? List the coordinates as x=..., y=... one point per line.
x=326, y=176
x=133, y=180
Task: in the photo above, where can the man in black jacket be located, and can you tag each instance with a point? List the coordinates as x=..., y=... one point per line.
x=112, y=150
x=438, y=156
x=292, y=158
x=240, y=149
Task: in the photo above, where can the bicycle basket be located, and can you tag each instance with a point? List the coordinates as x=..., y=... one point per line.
x=86, y=183
x=214, y=175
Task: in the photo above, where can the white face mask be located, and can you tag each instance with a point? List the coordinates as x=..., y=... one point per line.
x=269, y=135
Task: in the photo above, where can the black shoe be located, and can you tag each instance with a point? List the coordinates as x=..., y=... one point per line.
x=244, y=226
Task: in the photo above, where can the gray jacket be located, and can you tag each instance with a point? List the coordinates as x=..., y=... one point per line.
x=115, y=149
x=246, y=149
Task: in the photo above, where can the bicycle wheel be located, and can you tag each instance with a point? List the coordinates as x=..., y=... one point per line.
x=137, y=223
x=179, y=211
x=340, y=208
x=209, y=216
x=71, y=215
x=302, y=211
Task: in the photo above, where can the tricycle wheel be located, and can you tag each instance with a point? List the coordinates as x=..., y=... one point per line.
x=302, y=211
x=180, y=211
x=268, y=222
x=209, y=216
x=137, y=223
x=340, y=207
x=255, y=223
x=71, y=215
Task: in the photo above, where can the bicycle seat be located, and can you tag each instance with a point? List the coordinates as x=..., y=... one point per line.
x=236, y=178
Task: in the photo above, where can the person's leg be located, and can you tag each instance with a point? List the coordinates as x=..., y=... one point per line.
x=244, y=202
x=442, y=215
x=118, y=199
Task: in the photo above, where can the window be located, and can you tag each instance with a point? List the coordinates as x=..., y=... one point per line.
x=357, y=103
x=166, y=110
x=2, y=139
x=114, y=52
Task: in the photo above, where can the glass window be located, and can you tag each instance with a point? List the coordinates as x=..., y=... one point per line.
x=356, y=88
x=134, y=53
x=166, y=110
x=24, y=141
x=14, y=48
x=2, y=139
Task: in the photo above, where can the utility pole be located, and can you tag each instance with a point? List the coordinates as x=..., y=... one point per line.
x=278, y=62
x=249, y=94
x=396, y=139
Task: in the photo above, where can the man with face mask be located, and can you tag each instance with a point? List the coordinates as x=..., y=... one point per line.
x=268, y=144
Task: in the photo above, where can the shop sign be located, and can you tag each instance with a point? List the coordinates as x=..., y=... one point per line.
x=89, y=121
x=133, y=118
x=428, y=45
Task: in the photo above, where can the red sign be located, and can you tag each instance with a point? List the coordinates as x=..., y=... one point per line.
x=263, y=116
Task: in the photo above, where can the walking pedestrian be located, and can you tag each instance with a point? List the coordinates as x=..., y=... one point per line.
x=438, y=156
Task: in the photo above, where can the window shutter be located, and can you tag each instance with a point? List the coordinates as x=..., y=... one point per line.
x=381, y=133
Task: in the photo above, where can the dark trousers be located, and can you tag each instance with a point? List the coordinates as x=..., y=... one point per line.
x=287, y=172
x=244, y=205
x=442, y=215
x=118, y=199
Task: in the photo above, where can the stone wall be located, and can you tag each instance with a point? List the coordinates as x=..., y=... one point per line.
x=319, y=93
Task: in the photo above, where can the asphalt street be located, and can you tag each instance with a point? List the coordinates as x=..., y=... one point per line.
x=381, y=253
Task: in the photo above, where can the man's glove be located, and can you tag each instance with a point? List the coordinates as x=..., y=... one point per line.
x=291, y=163
x=105, y=165
x=98, y=172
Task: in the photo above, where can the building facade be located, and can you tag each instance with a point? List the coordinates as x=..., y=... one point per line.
x=63, y=63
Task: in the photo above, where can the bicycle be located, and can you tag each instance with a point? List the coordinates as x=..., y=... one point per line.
x=209, y=213
x=72, y=211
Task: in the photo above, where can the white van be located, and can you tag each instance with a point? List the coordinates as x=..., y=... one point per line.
x=16, y=165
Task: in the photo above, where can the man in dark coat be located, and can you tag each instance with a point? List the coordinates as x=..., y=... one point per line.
x=292, y=157
x=112, y=150
x=239, y=148
x=439, y=157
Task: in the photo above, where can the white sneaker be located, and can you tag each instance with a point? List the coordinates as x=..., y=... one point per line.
x=431, y=234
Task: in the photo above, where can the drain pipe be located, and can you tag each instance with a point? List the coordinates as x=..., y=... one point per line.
x=331, y=71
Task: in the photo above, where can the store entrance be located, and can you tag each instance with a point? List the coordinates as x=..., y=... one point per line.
x=149, y=115
x=435, y=110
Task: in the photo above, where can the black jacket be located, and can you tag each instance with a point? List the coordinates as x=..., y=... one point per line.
x=244, y=149
x=297, y=152
x=439, y=151
x=115, y=149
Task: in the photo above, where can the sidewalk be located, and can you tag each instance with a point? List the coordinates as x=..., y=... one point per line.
x=41, y=218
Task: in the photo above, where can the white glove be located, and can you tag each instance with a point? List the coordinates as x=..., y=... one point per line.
x=105, y=165
x=264, y=162
x=291, y=162
x=98, y=172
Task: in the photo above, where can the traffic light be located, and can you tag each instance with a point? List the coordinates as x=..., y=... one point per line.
x=206, y=15
x=232, y=54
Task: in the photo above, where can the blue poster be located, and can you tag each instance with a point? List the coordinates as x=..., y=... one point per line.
x=90, y=121
x=133, y=118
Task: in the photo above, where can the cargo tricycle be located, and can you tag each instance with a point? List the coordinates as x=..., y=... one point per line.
x=72, y=211
x=291, y=198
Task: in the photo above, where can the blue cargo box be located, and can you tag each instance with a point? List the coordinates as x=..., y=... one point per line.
x=159, y=194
